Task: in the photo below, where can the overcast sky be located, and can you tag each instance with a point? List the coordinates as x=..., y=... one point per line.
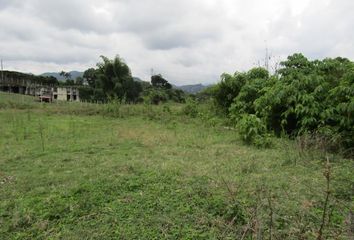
x=187, y=41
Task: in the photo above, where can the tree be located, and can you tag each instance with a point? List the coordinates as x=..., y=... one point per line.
x=66, y=75
x=69, y=82
x=116, y=80
x=256, y=80
x=79, y=81
x=160, y=90
x=228, y=88
x=90, y=76
x=159, y=82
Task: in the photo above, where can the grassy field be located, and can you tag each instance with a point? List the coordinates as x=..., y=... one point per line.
x=86, y=171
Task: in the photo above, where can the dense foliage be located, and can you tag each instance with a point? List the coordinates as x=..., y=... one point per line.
x=116, y=80
x=159, y=82
x=160, y=90
x=303, y=96
x=112, y=79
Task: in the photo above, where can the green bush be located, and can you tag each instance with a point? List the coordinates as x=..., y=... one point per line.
x=190, y=108
x=156, y=96
x=228, y=88
x=253, y=131
x=250, y=92
x=302, y=97
x=89, y=94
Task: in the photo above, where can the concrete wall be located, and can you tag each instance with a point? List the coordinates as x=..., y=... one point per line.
x=66, y=94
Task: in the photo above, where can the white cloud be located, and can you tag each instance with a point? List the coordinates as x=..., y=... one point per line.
x=188, y=41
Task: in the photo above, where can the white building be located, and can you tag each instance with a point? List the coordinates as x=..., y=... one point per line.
x=66, y=93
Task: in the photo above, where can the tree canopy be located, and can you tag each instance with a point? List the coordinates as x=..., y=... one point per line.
x=112, y=79
x=160, y=82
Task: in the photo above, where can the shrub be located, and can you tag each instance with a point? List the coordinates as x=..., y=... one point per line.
x=303, y=97
x=253, y=131
x=244, y=103
x=89, y=94
x=157, y=96
x=229, y=87
x=191, y=108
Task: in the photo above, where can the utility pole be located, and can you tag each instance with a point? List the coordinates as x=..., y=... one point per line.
x=266, y=62
x=2, y=72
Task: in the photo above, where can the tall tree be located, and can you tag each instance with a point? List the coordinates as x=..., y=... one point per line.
x=116, y=80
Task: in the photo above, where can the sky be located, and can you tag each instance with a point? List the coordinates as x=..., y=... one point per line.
x=187, y=41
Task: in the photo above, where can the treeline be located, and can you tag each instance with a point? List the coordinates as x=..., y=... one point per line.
x=112, y=80
x=302, y=97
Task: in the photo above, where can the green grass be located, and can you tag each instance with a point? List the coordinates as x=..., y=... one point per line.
x=70, y=171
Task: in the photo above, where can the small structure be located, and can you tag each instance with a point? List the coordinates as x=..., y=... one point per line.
x=46, y=96
x=66, y=93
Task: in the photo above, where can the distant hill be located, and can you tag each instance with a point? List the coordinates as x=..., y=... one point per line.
x=194, y=88
x=137, y=79
x=74, y=75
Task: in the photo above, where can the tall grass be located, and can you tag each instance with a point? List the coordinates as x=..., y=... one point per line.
x=141, y=171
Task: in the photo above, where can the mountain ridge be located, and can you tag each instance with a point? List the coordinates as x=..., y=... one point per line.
x=74, y=74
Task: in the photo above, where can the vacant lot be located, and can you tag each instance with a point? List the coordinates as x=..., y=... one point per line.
x=82, y=175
